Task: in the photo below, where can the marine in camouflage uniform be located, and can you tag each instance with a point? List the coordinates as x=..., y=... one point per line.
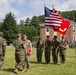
x=62, y=48
x=27, y=45
x=19, y=53
x=2, y=49
x=55, y=46
x=47, y=50
x=39, y=50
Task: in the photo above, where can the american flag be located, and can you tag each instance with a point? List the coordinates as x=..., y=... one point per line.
x=52, y=18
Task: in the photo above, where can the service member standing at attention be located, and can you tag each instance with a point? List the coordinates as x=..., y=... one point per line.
x=28, y=50
x=63, y=47
x=47, y=50
x=19, y=53
x=55, y=46
x=40, y=48
x=2, y=50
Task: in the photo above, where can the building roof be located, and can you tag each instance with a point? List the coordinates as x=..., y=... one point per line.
x=42, y=24
x=73, y=23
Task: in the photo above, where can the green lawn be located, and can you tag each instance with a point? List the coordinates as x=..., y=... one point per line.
x=41, y=69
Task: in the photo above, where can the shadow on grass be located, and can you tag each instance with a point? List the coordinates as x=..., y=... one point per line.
x=33, y=62
x=72, y=56
x=9, y=70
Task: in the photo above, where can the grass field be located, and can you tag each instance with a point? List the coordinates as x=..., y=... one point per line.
x=43, y=68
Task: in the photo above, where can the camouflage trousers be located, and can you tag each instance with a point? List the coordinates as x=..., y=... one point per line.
x=39, y=55
x=20, y=59
x=1, y=60
x=62, y=55
x=55, y=56
x=27, y=60
x=47, y=55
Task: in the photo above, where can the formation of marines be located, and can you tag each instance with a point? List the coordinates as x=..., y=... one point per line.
x=53, y=46
x=22, y=47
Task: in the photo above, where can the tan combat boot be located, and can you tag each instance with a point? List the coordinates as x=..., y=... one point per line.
x=16, y=71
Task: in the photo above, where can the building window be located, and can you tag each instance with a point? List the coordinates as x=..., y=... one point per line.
x=74, y=37
x=73, y=29
x=47, y=29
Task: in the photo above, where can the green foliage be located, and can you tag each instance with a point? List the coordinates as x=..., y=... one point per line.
x=0, y=25
x=41, y=18
x=29, y=27
x=30, y=31
x=27, y=22
x=69, y=14
x=35, y=38
x=74, y=19
x=9, y=27
x=35, y=22
x=22, y=22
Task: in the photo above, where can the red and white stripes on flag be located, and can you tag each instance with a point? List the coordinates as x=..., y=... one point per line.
x=52, y=18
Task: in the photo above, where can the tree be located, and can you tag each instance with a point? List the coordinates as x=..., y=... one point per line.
x=35, y=22
x=27, y=22
x=41, y=18
x=68, y=14
x=9, y=27
x=22, y=22
x=74, y=19
x=30, y=31
x=0, y=25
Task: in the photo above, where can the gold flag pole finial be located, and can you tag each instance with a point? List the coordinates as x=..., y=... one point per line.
x=52, y=6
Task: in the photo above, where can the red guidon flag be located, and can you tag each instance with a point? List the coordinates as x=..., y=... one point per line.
x=64, y=26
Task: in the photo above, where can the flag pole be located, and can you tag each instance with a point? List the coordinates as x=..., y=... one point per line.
x=44, y=9
x=44, y=5
x=55, y=33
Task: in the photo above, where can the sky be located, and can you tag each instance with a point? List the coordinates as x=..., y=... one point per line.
x=23, y=9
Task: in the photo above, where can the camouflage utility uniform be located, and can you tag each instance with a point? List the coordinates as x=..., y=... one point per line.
x=47, y=51
x=55, y=45
x=40, y=48
x=2, y=50
x=19, y=53
x=63, y=51
x=27, y=57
